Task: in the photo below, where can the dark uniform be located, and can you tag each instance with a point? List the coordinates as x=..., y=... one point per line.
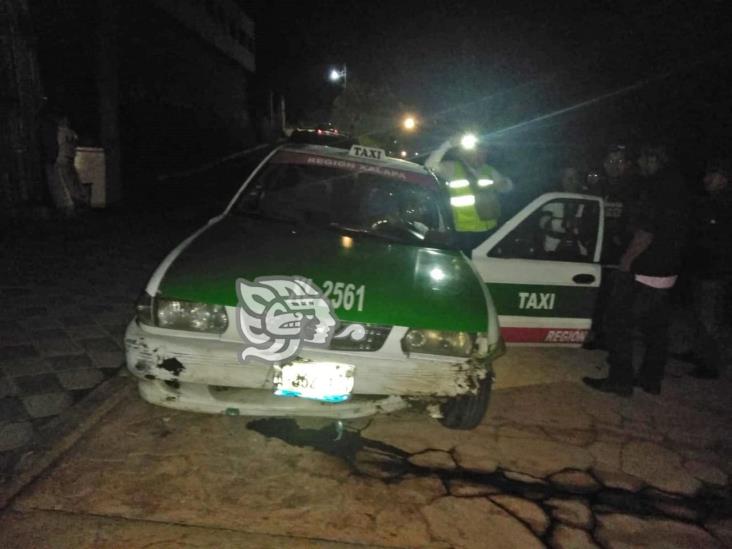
x=711, y=267
x=620, y=198
x=661, y=212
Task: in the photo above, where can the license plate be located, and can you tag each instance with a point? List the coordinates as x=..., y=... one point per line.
x=326, y=381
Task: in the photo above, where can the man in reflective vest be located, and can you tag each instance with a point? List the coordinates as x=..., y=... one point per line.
x=473, y=185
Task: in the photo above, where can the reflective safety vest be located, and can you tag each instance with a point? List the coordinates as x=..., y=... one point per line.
x=462, y=199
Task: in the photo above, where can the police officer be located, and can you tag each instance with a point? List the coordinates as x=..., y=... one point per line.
x=711, y=267
x=473, y=185
x=619, y=190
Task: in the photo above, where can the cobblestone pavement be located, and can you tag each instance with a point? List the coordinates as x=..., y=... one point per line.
x=67, y=290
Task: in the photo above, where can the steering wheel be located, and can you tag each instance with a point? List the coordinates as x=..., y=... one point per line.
x=400, y=227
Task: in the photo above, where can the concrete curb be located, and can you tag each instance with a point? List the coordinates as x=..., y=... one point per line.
x=64, y=432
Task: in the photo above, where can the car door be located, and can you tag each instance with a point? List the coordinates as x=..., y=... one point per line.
x=542, y=269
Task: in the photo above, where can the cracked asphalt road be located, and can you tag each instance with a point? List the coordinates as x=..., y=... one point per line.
x=553, y=464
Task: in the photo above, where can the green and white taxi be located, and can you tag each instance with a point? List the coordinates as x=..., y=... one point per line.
x=331, y=286
x=328, y=287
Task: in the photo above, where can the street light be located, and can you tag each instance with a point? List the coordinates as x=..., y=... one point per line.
x=336, y=75
x=409, y=123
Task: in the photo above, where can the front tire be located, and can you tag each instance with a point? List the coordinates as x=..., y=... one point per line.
x=467, y=411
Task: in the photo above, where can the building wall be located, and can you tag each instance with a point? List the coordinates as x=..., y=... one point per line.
x=221, y=23
x=183, y=68
x=184, y=99
x=20, y=104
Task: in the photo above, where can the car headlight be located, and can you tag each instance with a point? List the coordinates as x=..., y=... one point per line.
x=436, y=342
x=181, y=315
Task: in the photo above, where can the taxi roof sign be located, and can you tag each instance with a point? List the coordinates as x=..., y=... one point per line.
x=367, y=152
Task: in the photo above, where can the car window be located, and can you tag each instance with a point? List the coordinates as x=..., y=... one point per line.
x=359, y=200
x=561, y=230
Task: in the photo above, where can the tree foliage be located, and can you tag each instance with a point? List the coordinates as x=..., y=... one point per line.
x=367, y=110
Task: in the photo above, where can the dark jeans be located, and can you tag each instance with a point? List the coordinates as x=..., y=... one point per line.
x=635, y=305
x=709, y=308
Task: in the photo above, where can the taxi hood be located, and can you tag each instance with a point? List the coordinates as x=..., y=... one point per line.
x=403, y=285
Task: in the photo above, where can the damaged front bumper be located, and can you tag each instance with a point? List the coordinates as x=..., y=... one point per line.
x=195, y=397
x=204, y=374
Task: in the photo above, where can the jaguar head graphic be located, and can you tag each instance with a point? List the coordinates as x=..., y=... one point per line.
x=277, y=315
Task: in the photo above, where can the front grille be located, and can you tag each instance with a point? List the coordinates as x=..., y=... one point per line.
x=372, y=341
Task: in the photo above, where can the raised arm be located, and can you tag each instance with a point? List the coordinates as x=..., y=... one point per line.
x=435, y=157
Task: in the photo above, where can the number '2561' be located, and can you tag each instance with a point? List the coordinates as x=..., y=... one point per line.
x=344, y=295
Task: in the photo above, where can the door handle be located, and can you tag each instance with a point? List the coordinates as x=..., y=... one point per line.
x=583, y=278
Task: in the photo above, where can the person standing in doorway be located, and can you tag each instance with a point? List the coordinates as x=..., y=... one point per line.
x=52, y=139
x=74, y=195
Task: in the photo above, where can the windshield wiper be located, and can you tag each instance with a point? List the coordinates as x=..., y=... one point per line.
x=441, y=240
x=367, y=232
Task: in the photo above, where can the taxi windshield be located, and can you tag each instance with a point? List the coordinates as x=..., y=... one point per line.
x=358, y=200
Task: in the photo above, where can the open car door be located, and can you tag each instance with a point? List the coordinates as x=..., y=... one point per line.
x=542, y=269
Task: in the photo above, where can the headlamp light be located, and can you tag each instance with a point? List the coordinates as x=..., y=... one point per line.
x=181, y=315
x=436, y=342
x=468, y=141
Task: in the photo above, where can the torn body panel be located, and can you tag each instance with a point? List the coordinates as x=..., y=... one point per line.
x=201, y=365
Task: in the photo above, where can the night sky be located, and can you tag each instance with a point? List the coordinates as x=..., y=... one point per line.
x=505, y=63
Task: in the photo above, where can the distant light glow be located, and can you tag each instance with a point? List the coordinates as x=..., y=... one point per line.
x=403, y=154
x=437, y=274
x=334, y=75
x=485, y=182
x=468, y=141
x=346, y=242
x=409, y=123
